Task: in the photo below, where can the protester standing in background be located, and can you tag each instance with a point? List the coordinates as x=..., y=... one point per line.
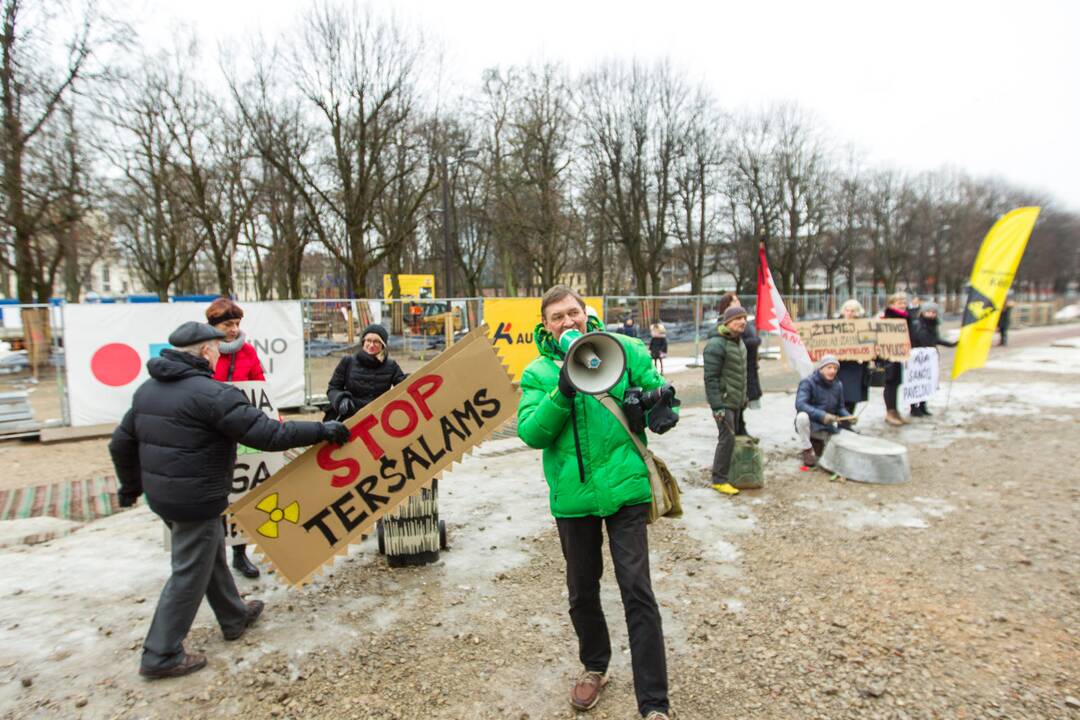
x=895, y=308
x=362, y=377
x=925, y=333
x=1005, y=318
x=853, y=374
x=658, y=345
x=239, y=362
x=628, y=327
x=751, y=341
x=725, y=388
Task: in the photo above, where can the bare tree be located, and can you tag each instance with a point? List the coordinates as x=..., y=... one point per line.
x=754, y=193
x=148, y=204
x=635, y=128
x=214, y=157
x=841, y=242
x=694, y=217
x=32, y=90
x=533, y=177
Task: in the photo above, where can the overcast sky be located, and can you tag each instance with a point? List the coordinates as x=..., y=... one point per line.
x=989, y=87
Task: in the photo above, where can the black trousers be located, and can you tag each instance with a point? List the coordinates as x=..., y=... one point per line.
x=582, y=540
x=890, y=395
x=727, y=427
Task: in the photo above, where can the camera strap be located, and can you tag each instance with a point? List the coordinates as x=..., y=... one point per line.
x=612, y=404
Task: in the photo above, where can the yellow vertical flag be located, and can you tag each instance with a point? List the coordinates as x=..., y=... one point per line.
x=991, y=278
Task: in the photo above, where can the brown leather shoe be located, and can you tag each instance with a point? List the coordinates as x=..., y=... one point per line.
x=586, y=691
x=187, y=665
x=254, y=610
x=893, y=418
x=809, y=457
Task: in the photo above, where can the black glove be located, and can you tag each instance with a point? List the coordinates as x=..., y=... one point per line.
x=336, y=432
x=346, y=406
x=565, y=386
x=126, y=499
x=662, y=416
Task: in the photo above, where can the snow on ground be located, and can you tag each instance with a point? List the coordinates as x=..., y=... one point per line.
x=1061, y=357
x=78, y=604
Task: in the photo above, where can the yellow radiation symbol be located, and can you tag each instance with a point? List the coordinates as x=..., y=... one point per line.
x=269, y=505
x=979, y=310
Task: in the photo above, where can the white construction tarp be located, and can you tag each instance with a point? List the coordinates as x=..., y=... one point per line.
x=106, y=349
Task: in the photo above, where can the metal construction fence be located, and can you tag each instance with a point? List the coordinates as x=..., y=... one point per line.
x=32, y=357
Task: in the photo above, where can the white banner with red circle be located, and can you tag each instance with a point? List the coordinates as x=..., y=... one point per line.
x=106, y=349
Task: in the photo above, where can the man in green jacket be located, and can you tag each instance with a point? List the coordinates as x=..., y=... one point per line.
x=596, y=477
x=725, y=388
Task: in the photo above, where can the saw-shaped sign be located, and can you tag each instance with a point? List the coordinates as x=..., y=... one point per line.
x=331, y=496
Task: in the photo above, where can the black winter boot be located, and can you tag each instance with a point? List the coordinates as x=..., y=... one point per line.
x=241, y=562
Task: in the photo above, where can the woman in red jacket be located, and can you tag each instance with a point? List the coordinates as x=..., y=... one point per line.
x=238, y=362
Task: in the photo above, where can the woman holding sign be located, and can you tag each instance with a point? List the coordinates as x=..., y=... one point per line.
x=239, y=362
x=854, y=375
x=925, y=333
x=896, y=307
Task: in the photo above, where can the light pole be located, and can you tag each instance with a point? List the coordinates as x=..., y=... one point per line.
x=463, y=155
x=448, y=282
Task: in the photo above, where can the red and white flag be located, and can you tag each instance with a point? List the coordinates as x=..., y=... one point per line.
x=772, y=316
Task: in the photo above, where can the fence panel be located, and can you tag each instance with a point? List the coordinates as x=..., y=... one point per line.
x=32, y=366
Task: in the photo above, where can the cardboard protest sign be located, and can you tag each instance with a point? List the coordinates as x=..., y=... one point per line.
x=922, y=374
x=863, y=339
x=511, y=322
x=253, y=467
x=330, y=496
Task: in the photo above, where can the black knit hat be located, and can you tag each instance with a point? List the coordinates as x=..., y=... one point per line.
x=378, y=330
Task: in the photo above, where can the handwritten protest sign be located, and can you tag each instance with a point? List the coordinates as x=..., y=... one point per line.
x=863, y=339
x=921, y=376
x=330, y=496
x=253, y=467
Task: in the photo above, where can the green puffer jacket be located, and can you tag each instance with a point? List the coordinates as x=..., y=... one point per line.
x=725, y=370
x=611, y=473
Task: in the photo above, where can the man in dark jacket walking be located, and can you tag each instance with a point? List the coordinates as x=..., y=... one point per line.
x=725, y=388
x=819, y=407
x=177, y=444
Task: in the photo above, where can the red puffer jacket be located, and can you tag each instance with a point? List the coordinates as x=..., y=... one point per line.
x=245, y=365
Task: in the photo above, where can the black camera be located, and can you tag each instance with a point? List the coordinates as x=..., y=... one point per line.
x=658, y=403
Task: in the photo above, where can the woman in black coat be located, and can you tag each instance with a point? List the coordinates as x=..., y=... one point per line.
x=853, y=375
x=895, y=308
x=359, y=379
x=925, y=333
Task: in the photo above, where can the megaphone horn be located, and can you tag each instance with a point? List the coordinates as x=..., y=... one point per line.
x=595, y=361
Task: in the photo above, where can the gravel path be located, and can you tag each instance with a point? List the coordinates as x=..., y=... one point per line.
x=956, y=596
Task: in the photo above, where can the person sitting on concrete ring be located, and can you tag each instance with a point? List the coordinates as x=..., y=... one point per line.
x=819, y=406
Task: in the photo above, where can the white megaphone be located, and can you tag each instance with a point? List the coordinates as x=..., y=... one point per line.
x=594, y=361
